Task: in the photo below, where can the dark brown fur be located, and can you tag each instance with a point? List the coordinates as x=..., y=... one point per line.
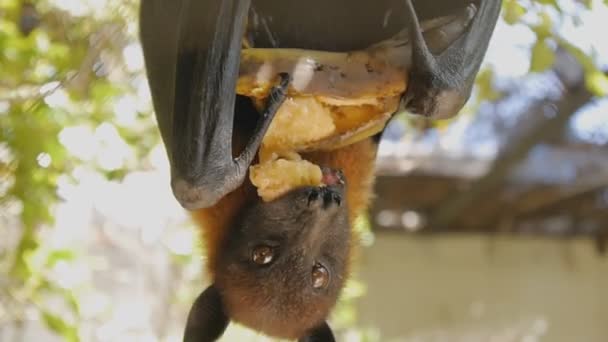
x=280, y=302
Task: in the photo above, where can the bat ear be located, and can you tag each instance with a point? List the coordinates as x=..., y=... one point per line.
x=207, y=319
x=321, y=333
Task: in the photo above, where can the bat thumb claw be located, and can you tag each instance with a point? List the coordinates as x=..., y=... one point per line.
x=285, y=79
x=279, y=91
x=281, y=87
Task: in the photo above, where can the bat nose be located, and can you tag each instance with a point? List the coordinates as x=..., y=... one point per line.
x=331, y=197
x=325, y=197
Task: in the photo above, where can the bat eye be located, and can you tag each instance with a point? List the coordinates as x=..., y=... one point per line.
x=320, y=276
x=262, y=255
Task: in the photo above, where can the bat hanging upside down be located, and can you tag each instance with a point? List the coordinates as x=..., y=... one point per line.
x=271, y=111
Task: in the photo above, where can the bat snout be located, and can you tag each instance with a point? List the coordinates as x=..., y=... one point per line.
x=325, y=197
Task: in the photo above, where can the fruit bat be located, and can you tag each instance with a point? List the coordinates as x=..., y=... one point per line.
x=278, y=266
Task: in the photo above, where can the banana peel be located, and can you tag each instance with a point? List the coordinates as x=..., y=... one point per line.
x=334, y=98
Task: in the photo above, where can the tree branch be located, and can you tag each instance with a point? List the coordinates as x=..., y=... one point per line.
x=541, y=129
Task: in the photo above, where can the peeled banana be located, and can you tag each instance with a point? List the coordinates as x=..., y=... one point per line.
x=334, y=98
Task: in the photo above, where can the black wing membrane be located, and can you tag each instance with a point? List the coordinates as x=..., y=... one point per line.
x=192, y=52
x=322, y=333
x=207, y=319
x=159, y=24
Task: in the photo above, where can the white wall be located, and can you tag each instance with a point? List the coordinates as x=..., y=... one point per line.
x=484, y=289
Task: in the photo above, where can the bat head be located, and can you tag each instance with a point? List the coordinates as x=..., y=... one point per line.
x=284, y=262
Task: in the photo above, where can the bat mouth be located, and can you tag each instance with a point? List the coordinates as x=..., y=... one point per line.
x=333, y=177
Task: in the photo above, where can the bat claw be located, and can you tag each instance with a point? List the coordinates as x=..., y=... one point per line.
x=279, y=91
x=285, y=80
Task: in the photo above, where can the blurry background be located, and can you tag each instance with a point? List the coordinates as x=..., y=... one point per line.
x=489, y=227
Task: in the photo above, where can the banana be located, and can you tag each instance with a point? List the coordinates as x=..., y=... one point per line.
x=334, y=98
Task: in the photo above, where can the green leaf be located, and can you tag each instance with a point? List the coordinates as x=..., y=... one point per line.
x=72, y=301
x=60, y=326
x=544, y=29
x=28, y=243
x=513, y=12
x=59, y=255
x=542, y=57
x=597, y=83
x=485, y=88
x=549, y=2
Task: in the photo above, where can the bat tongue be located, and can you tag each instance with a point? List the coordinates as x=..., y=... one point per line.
x=332, y=177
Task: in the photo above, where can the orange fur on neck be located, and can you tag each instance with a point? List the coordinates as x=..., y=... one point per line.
x=356, y=161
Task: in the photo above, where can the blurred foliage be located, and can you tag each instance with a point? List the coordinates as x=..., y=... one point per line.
x=64, y=72
x=58, y=70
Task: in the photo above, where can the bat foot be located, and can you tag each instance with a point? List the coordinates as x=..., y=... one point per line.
x=424, y=97
x=434, y=81
x=439, y=85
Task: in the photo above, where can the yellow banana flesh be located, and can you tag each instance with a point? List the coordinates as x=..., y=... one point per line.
x=334, y=99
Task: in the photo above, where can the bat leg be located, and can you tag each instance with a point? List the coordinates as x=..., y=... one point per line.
x=440, y=85
x=322, y=333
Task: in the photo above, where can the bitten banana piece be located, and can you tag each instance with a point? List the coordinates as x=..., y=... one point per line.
x=334, y=98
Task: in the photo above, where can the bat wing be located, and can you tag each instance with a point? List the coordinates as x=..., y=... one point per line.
x=192, y=54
